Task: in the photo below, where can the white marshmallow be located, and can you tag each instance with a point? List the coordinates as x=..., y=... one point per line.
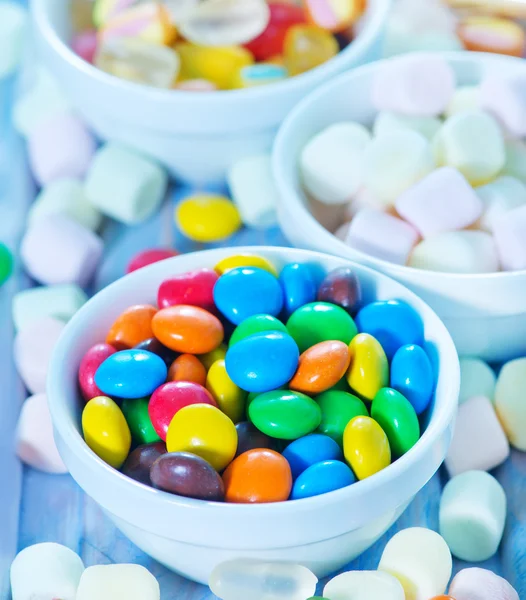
x=481, y=584
x=364, y=585
x=342, y=231
x=13, y=29
x=498, y=197
x=113, y=582
x=477, y=378
x=510, y=238
x=505, y=99
x=387, y=122
x=509, y=401
x=515, y=164
x=464, y=98
x=363, y=199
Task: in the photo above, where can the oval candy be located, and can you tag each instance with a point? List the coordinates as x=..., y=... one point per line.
x=341, y=287
x=299, y=286
x=209, y=358
x=338, y=408
x=140, y=461
x=249, y=438
x=256, y=324
x=135, y=412
x=89, y=364
x=194, y=288
x=366, y=447
x=229, y=397
x=321, y=478
x=412, y=376
x=132, y=327
x=187, y=367
x=205, y=217
x=369, y=370
x=309, y=450
x=153, y=345
x=149, y=257
x=244, y=260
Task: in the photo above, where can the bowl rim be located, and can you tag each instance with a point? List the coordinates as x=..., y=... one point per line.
x=71, y=436
x=365, y=37
x=291, y=199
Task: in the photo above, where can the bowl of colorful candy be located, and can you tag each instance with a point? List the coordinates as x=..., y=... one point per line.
x=415, y=167
x=201, y=128
x=266, y=403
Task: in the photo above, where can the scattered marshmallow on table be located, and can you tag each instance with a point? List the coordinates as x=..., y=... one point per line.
x=46, y=571
x=477, y=378
x=125, y=185
x=60, y=146
x=505, y=99
x=481, y=584
x=387, y=122
x=13, y=29
x=509, y=401
x=35, y=444
x=112, y=582
x=364, y=585
x=500, y=196
x=510, y=238
x=472, y=515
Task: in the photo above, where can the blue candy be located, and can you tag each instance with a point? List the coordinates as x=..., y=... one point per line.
x=393, y=323
x=309, y=450
x=299, y=286
x=262, y=362
x=247, y=291
x=131, y=374
x=321, y=478
x=412, y=376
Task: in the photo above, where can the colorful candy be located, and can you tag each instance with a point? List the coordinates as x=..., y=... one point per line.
x=195, y=288
x=309, y=450
x=136, y=414
x=207, y=218
x=369, y=370
x=338, y=408
x=412, y=375
x=366, y=447
x=187, y=367
x=229, y=397
x=149, y=257
x=341, y=287
x=132, y=327
x=91, y=361
x=140, y=461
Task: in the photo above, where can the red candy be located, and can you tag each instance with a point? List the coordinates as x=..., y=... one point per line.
x=170, y=397
x=195, y=288
x=92, y=360
x=149, y=257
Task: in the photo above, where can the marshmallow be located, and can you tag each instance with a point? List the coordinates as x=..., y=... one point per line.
x=363, y=199
x=456, y=252
x=479, y=442
x=364, y=585
x=125, y=185
x=33, y=348
x=515, y=164
x=433, y=16
x=418, y=85
x=381, y=235
x=56, y=249
x=253, y=191
x=46, y=571
x=498, y=197
x=481, y=584
x=342, y=231
x=509, y=401
x=35, y=444
x=472, y=515
x=442, y=201
x=110, y=582
x=60, y=146
x=465, y=98
x=505, y=99
x=387, y=122
x=331, y=163
x=65, y=196
x=477, y=378
x=510, y=238
x=420, y=559
x=13, y=28
x=394, y=162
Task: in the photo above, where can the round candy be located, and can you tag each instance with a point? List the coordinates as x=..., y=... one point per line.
x=246, y=291
x=131, y=374
x=341, y=287
x=244, y=260
x=366, y=447
x=207, y=218
x=187, y=367
x=135, y=412
x=195, y=288
x=321, y=367
x=369, y=370
x=337, y=409
x=319, y=322
x=298, y=285
x=140, y=461
x=106, y=431
x=154, y=346
x=412, y=375
x=188, y=329
x=203, y=430
x=321, y=478
x=149, y=257
x=189, y=475
x=285, y=415
x=91, y=361
x=171, y=397
x=397, y=417
x=334, y=15
x=258, y=476
x=250, y=438
x=229, y=397
x=256, y=324
x=309, y=450
x=132, y=327
x=6, y=263
x=306, y=47
x=262, y=362
x=209, y=358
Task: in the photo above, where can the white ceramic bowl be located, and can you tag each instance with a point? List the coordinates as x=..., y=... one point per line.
x=485, y=314
x=196, y=135
x=192, y=536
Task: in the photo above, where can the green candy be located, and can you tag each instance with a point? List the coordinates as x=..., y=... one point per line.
x=342, y=385
x=397, y=417
x=256, y=324
x=284, y=414
x=319, y=322
x=6, y=263
x=337, y=409
x=138, y=419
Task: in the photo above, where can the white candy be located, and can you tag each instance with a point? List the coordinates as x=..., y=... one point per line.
x=13, y=27
x=500, y=196
x=515, y=165
x=456, y=252
x=394, y=162
x=113, y=582
x=35, y=444
x=509, y=401
x=418, y=86
x=472, y=515
x=332, y=162
x=364, y=585
x=387, y=122
x=46, y=572
x=421, y=560
x=465, y=98
x=441, y=201
x=254, y=192
x=477, y=378
x=481, y=584
x=56, y=249
x=505, y=99
x=33, y=348
x=510, y=238
x=479, y=442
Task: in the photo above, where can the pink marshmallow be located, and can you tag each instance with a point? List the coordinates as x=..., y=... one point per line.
x=480, y=584
x=510, y=238
x=442, y=201
x=381, y=235
x=85, y=44
x=505, y=99
x=60, y=146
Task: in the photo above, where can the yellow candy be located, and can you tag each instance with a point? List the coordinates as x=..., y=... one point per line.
x=207, y=218
x=334, y=15
x=369, y=370
x=307, y=47
x=366, y=447
x=229, y=397
x=106, y=431
x=210, y=358
x=491, y=34
x=203, y=430
x=220, y=65
x=244, y=260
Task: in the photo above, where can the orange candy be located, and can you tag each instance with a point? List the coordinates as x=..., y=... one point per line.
x=187, y=367
x=492, y=34
x=132, y=327
x=188, y=329
x=258, y=476
x=321, y=367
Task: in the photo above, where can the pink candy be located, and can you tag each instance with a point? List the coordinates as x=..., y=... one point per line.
x=85, y=45
x=91, y=361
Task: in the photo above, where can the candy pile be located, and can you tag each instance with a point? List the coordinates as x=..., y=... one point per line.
x=207, y=45
x=297, y=404
x=440, y=183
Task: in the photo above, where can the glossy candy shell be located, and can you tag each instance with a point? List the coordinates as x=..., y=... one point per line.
x=341, y=287
x=309, y=450
x=132, y=327
x=140, y=461
x=321, y=478
x=338, y=408
x=412, y=375
x=195, y=288
x=366, y=447
x=91, y=361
